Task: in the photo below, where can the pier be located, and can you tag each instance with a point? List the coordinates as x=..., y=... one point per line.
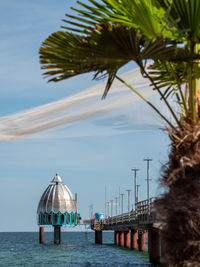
x=130, y=229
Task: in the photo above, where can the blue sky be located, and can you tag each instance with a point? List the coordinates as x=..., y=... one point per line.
x=86, y=163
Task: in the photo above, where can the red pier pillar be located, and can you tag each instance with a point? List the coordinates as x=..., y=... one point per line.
x=121, y=239
x=98, y=237
x=134, y=237
x=141, y=241
x=116, y=235
x=126, y=239
x=154, y=246
x=41, y=235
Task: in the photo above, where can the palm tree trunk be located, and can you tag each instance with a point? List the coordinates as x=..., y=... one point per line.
x=179, y=207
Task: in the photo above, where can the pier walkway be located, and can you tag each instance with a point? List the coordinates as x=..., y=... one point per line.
x=130, y=229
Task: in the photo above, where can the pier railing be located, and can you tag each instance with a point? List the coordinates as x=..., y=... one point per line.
x=129, y=216
x=144, y=214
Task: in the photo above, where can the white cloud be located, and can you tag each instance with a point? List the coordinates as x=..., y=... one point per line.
x=83, y=107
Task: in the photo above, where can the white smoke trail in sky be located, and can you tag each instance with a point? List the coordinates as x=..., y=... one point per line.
x=79, y=108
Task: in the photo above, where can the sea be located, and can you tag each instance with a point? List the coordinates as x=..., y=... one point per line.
x=77, y=250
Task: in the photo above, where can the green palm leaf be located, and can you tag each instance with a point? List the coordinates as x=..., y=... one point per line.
x=110, y=33
x=186, y=13
x=107, y=48
x=146, y=15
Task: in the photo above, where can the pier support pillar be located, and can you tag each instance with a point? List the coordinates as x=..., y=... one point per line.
x=116, y=233
x=134, y=238
x=119, y=243
x=41, y=235
x=121, y=239
x=57, y=234
x=98, y=237
x=154, y=246
x=141, y=241
x=126, y=239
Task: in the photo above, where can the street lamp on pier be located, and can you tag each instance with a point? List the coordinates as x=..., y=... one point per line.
x=137, y=190
x=148, y=185
x=128, y=190
x=108, y=209
x=111, y=206
x=116, y=203
x=135, y=193
x=122, y=203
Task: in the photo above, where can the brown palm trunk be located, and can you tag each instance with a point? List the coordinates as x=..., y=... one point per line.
x=180, y=205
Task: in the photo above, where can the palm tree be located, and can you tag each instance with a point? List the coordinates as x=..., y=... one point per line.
x=101, y=37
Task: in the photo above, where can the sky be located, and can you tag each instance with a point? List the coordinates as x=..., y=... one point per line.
x=89, y=154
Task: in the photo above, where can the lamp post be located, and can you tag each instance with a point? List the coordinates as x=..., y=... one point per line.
x=135, y=174
x=122, y=203
x=108, y=209
x=111, y=205
x=137, y=187
x=116, y=203
x=91, y=211
x=105, y=201
x=148, y=185
x=119, y=199
x=128, y=190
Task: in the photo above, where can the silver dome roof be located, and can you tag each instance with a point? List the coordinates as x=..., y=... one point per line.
x=57, y=198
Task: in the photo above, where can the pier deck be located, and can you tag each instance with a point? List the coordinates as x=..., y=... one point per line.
x=143, y=218
x=130, y=228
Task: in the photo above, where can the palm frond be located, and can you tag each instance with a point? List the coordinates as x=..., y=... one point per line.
x=169, y=78
x=105, y=35
x=161, y=73
x=106, y=49
x=149, y=16
x=186, y=13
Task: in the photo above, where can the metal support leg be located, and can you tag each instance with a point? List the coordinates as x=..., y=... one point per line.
x=98, y=237
x=57, y=234
x=41, y=235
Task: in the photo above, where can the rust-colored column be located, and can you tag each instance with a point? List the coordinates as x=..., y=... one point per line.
x=154, y=246
x=141, y=241
x=116, y=233
x=119, y=240
x=134, y=238
x=98, y=237
x=122, y=238
x=41, y=235
x=126, y=239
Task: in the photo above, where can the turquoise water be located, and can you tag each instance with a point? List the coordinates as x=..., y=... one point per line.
x=77, y=250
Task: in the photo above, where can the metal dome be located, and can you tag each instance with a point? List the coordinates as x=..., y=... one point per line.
x=57, y=198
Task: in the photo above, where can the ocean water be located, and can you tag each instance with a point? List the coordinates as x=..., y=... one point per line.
x=77, y=250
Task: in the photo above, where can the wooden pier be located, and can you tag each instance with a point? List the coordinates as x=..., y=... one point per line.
x=130, y=229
